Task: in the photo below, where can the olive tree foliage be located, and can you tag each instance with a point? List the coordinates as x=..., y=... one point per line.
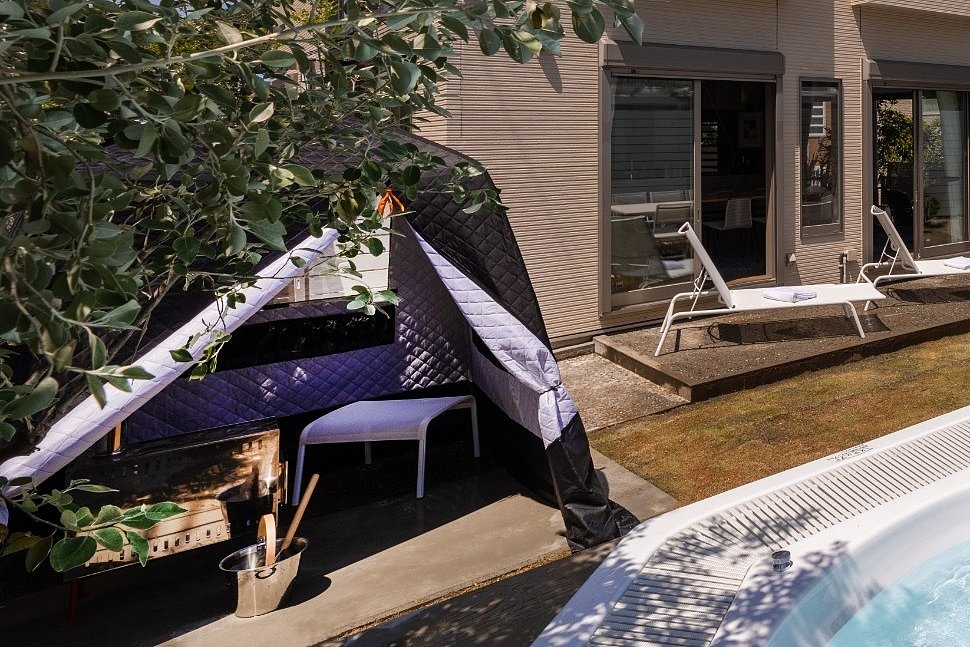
x=147, y=147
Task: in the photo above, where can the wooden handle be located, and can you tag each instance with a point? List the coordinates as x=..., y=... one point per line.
x=291, y=532
x=267, y=530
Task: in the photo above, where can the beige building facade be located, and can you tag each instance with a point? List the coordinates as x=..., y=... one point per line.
x=770, y=126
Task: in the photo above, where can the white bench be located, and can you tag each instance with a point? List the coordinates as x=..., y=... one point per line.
x=376, y=420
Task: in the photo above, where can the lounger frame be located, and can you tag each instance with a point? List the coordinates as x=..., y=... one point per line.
x=752, y=300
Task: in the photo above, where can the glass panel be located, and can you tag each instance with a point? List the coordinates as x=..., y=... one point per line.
x=894, y=164
x=734, y=146
x=821, y=154
x=944, y=156
x=652, y=150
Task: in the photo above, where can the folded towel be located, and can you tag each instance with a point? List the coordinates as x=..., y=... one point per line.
x=789, y=295
x=960, y=262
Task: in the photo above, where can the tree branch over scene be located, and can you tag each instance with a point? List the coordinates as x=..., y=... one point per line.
x=147, y=149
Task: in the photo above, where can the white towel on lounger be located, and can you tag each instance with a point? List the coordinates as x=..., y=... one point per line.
x=960, y=262
x=789, y=295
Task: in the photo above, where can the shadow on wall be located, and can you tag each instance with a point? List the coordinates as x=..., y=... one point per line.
x=550, y=68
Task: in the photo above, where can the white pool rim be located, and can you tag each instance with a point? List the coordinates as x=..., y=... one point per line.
x=877, y=546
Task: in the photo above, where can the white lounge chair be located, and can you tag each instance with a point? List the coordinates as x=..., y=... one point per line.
x=909, y=266
x=752, y=299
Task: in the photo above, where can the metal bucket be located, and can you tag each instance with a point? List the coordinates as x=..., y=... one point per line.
x=261, y=589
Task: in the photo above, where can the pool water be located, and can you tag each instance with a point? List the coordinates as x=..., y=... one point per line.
x=927, y=607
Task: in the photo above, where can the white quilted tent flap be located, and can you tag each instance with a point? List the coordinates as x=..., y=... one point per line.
x=83, y=425
x=523, y=354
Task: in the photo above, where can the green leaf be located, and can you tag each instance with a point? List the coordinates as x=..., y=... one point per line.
x=269, y=232
x=262, y=142
x=147, y=140
x=237, y=240
x=139, y=546
x=589, y=26
x=404, y=76
x=489, y=42
x=228, y=33
x=123, y=315
x=84, y=517
x=301, y=174
x=65, y=12
x=39, y=33
x=135, y=373
x=99, y=352
x=411, y=175
x=96, y=387
x=41, y=397
x=181, y=354
x=186, y=248
x=37, y=553
x=110, y=538
x=390, y=296
x=633, y=25
x=135, y=21
x=136, y=519
x=7, y=431
x=71, y=552
x=277, y=58
x=261, y=112
x=374, y=246
x=69, y=519
x=94, y=487
x=11, y=9
x=19, y=541
x=163, y=510
x=108, y=514
x=88, y=116
x=456, y=26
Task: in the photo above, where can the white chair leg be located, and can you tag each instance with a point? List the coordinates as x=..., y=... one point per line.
x=367, y=453
x=298, y=475
x=422, y=446
x=665, y=327
x=477, y=448
x=855, y=316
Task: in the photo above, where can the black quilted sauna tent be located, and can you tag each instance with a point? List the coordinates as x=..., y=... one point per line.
x=467, y=319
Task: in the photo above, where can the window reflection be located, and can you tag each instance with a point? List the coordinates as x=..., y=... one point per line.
x=651, y=192
x=821, y=154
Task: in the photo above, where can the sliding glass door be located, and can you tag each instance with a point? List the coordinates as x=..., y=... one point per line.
x=651, y=186
x=686, y=151
x=921, y=168
x=943, y=157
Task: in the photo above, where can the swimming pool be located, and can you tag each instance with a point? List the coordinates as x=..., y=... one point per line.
x=856, y=524
x=887, y=564
x=928, y=606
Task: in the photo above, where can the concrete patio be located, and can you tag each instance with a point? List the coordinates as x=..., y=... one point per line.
x=364, y=564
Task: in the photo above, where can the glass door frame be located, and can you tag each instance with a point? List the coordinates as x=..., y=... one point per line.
x=652, y=296
x=920, y=249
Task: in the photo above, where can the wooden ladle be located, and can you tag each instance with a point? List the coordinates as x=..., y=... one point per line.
x=298, y=517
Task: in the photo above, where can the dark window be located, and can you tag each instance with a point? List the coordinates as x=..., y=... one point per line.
x=291, y=339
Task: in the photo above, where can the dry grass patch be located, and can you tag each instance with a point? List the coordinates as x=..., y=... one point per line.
x=702, y=449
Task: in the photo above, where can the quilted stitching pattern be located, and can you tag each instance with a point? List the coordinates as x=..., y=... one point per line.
x=432, y=348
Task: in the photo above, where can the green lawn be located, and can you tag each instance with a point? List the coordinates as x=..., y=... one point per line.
x=702, y=449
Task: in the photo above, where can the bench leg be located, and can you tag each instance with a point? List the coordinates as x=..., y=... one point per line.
x=855, y=316
x=477, y=448
x=422, y=445
x=367, y=454
x=298, y=475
